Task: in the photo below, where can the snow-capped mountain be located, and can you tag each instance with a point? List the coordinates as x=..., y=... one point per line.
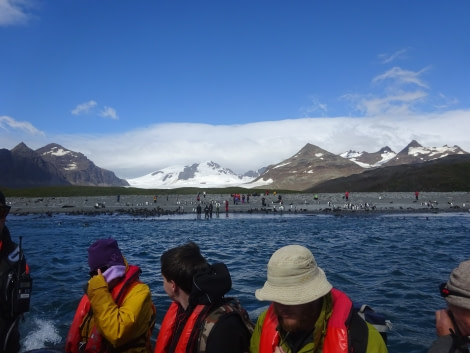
x=56, y=165
x=206, y=174
x=370, y=160
x=411, y=154
x=51, y=165
x=307, y=167
x=415, y=153
x=76, y=168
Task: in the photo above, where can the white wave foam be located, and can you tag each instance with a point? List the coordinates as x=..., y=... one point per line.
x=43, y=331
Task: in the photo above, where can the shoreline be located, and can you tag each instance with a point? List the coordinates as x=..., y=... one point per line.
x=327, y=203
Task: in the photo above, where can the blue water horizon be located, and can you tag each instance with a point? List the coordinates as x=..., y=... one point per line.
x=392, y=262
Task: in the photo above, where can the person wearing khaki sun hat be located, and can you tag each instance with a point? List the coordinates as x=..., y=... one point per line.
x=293, y=278
x=453, y=323
x=306, y=313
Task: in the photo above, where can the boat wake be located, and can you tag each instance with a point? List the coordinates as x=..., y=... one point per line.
x=42, y=332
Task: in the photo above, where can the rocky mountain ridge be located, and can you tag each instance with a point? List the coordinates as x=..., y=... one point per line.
x=308, y=167
x=311, y=166
x=51, y=165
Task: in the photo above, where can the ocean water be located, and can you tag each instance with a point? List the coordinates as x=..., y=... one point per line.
x=394, y=263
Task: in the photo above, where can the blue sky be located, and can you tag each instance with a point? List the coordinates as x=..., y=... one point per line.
x=142, y=85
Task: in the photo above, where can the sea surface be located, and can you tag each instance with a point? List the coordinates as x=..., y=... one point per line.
x=394, y=263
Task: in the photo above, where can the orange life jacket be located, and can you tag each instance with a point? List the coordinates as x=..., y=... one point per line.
x=336, y=339
x=93, y=343
x=204, y=318
x=167, y=329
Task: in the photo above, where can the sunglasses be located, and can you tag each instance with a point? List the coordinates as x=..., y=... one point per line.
x=445, y=292
x=4, y=210
x=95, y=272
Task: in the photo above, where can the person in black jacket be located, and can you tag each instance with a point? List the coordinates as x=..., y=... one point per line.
x=453, y=323
x=11, y=307
x=201, y=318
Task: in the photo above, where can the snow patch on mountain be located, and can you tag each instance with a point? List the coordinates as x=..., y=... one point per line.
x=206, y=174
x=58, y=152
x=363, y=159
x=434, y=151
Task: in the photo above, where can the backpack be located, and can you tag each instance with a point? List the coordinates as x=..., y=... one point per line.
x=231, y=306
x=374, y=318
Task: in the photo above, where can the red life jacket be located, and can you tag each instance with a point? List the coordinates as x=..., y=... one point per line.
x=336, y=339
x=198, y=327
x=167, y=329
x=94, y=341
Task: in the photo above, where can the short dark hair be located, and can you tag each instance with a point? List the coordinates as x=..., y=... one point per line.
x=181, y=263
x=2, y=198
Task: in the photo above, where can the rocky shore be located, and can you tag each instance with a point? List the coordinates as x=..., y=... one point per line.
x=155, y=205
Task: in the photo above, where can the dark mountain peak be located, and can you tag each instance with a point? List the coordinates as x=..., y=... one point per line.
x=413, y=144
x=309, y=149
x=457, y=149
x=213, y=164
x=21, y=148
x=77, y=169
x=309, y=166
x=52, y=165
x=370, y=160
x=59, y=152
x=51, y=146
x=26, y=168
x=415, y=153
x=385, y=149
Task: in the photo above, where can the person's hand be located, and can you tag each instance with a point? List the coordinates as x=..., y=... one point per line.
x=443, y=322
x=279, y=350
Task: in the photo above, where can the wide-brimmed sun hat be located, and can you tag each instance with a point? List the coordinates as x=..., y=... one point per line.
x=459, y=286
x=293, y=277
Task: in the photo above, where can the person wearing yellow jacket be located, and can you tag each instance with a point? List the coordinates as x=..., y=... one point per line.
x=116, y=314
x=306, y=313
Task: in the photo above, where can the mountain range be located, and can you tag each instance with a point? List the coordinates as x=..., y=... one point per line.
x=309, y=169
x=51, y=165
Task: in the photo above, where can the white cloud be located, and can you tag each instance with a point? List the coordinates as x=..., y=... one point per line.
x=8, y=124
x=14, y=12
x=248, y=146
x=399, y=104
x=89, y=108
x=315, y=107
x=12, y=132
x=84, y=108
x=388, y=58
x=389, y=117
x=255, y=145
x=109, y=112
x=402, y=93
x=400, y=77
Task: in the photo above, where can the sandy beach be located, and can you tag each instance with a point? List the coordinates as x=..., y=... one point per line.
x=389, y=202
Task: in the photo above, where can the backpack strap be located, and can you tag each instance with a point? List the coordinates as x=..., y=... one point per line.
x=358, y=333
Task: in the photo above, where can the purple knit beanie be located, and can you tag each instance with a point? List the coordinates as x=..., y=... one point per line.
x=104, y=252
x=459, y=282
